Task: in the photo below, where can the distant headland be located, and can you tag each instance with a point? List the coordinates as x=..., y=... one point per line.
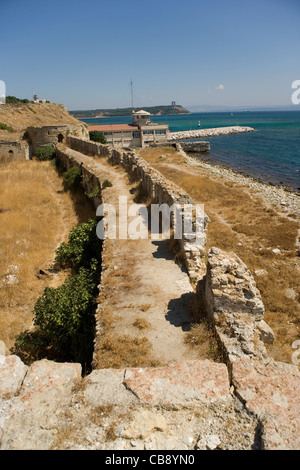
x=154, y=110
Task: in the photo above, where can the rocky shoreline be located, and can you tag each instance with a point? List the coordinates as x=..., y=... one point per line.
x=194, y=134
x=284, y=199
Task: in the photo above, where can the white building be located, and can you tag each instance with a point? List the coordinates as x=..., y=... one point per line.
x=139, y=133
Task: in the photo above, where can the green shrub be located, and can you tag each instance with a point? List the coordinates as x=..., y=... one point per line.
x=5, y=127
x=72, y=177
x=97, y=136
x=32, y=346
x=66, y=315
x=83, y=248
x=45, y=153
x=94, y=193
x=14, y=100
x=106, y=184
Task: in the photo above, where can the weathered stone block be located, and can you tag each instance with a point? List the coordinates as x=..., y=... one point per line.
x=12, y=373
x=105, y=386
x=234, y=305
x=271, y=391
x=181, y=383
x=35, y=413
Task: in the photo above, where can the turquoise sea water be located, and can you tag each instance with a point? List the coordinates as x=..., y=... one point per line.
x=271, y=154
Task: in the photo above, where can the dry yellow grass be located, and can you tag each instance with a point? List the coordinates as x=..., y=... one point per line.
x=118, y=351
x=141, y=323
x=35, y=114
x=241, y=222
x=201, y=338
x=116, y=347
x=158, y=154
x=38, y=218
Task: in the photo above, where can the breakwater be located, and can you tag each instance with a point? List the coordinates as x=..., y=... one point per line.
x=200, y=133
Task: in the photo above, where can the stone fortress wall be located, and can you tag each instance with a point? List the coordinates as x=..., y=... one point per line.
x=51, y=135
x=226, y=292
x=225, y=288
x=38, y=136
x=159, y=191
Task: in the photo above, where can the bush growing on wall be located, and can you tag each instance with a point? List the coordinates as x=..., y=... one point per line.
x=45, y=153
x=82, y=249
x=106, y=184
x=72, y=177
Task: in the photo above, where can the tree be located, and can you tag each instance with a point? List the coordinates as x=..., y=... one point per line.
x=97, y=136
x=14, y=100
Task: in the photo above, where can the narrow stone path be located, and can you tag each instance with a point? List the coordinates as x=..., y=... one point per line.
x=146, y=293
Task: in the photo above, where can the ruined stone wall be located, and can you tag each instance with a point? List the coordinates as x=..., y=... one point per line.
x=13, y=150
x=90, y=182
x=233, y=304
x=88, y=147
x=187, y=406
x=225, y=288
x=51, y=135
x=159, y=191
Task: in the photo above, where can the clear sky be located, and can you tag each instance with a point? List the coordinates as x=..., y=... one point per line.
x=213, y=52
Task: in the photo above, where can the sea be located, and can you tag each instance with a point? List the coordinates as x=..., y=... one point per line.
x=270, y=154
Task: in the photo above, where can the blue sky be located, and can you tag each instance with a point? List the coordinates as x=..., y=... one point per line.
x=196, y=52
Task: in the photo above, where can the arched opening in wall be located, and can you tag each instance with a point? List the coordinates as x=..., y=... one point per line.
x=60, y=138
x=10, y=153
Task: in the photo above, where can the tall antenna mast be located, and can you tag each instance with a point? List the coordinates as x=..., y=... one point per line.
x=131, y=86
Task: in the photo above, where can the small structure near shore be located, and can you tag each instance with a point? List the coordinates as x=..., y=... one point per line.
x=192, y=147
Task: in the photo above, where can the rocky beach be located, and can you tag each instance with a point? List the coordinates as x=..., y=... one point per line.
x=280, y=196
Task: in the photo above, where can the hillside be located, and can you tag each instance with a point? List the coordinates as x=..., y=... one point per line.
x=154, y=110
x=35, y=114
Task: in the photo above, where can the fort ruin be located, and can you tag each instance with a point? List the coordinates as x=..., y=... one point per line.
x=224, y=289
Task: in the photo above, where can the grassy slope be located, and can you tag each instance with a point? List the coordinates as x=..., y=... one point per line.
x=32, y=224
x=35, y=114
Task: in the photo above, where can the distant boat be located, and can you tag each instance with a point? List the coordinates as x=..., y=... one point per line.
x=199, y=125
